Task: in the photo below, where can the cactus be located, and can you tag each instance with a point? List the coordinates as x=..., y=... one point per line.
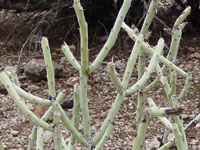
x=142, y=52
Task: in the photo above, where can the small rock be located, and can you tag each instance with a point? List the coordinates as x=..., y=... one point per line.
x=119, y=65
x=10, y=69
x=35, y=69
x=47, y=136
x=73, y=80
x=14, y=133
x=31, y=88
x=196, y=55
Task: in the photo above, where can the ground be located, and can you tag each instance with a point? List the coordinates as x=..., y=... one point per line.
x=16, y=129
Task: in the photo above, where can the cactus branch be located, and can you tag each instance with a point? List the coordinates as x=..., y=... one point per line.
x=140, y=83
x=30, y=97
x=76, y=114
x=106, y=135
x=113, y=35
x=32, y=141
x=69, y=125
x=39, y=139
x=114, y=78
x=150, y=51
x=49, y=66
x=138, y=142
x=150, y=14
x=182, y=17
x=70, y=57
x=29, y=114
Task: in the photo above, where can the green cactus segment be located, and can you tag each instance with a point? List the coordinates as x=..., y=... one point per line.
x=30, y=97
x=83, y=33
x=70, y=57
x=84, y=68
x=14, y=78
x=84, y=105
x=116, y=105
x=32, y=141
x=57, y=137
x=164, y=120
x=49, y=66
x=76, y=114
x=48, y=113
x=185, y=88
x=114, y=78
x=173, y=83
x=175, y=41
x=110, y=117
x=138, y=142
x=39, y=139
x=69, y=125
x=149, y=50
x=56, y=117
x=150, y=14
x=132, y=61
x=1, y=145
x=193, y=123
x=182, y=17
x=190, y=125
x=178, y=138
x=29, y=114
x=140, y=107
x=154, y=60
x=105, y=137
x=112, y=37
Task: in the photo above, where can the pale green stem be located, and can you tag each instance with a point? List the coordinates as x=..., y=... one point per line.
x=193, y=123
x=178, y=138
x=167, y=145
x=64, y=144
x=84, y=68
x=83, y=34
x=49, y=66
x=173, y=83
x=138, y=142
x=105, y=137
x=182, y=17
x=132, y=60
x=190, y=125
x=140, y=106
x=68, y=124
x=179, y=123
x=76, y=115
x=116, y=105
x=112, y=37
x=164, y=120
x=31, y=97
x=27, y=112
x=48, y=113
x=114, y=78
x=39, y=139
x=148, y=49
x=154, y=60
x=142, y=56
x=84, y=105
x=110, y=117
x=32, y=141
x=166, y=85
x=1, y=145
x=186, y=87
x=45, y=117
x=150, y=14
x=57, y=137
x=70, y=57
